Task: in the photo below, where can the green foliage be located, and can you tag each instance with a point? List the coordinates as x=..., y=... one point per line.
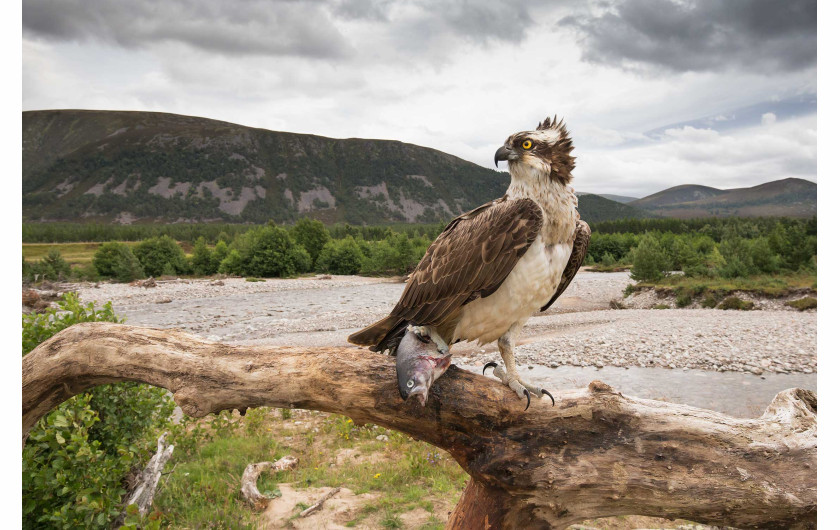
x=803, y=304
x=683, y=299
x=116, y=260
x=607, y=260
x=733, y=302
x=51, y=267
x=77, y=457
x=269, y=251
x=220, y=252
x=157, y=253
x=395, y=255
x=232, y=264
x=709, y=301
x=312, y=234
x=203, y=261
x=341, y=256
x=650, y=263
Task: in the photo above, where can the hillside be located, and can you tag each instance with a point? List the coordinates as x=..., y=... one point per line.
x=789, y=197
x=116, y=166
x=595, y=208
x=617, y=198
x=677, y=195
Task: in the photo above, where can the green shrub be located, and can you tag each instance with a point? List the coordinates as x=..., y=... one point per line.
x=156, y=253
x=709, y=301
x=115, y=260
x=650, y=263
x=733, y=302
x=271, y=252
x=809, y=302
x=51, y=267
x=341, y=256
x=203, y=261
x=85, y=273
x=77, y=457
x=220, y=252
x=607, y=260
x=395, y=255
x=312, y=235
x=232, y=264
x=683, y=299
x=661, y=306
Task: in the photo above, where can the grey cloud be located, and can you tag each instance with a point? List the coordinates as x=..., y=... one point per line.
x=241, y=27
x=425, y=29
x=757, y=35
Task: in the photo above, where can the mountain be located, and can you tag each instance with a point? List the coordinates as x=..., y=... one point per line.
x=677, y=195
x=617, y=198
x=789, y=197
x=595, y=208
x=119, y=166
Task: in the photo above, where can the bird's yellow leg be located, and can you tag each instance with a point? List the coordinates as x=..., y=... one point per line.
x=509, y=374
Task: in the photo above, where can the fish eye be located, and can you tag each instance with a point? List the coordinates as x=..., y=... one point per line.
x=527, y=144
x=410, y=383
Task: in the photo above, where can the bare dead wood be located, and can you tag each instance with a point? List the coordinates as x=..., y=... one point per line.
x=319, y=503
x=249, y=489
x=144, y=492
x=597, y=453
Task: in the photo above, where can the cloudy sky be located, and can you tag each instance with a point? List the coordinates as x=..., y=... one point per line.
x=656, y=93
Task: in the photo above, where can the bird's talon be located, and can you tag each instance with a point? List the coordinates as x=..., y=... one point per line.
x=547, y=393
x=488, y=365
x=528, y=396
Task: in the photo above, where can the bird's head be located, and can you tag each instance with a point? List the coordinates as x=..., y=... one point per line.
x=545, y=150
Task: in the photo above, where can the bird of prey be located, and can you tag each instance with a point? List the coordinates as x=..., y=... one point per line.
x=495, y=266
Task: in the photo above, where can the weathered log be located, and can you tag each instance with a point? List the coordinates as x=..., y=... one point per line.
x=597, y=453
x=144, y=492
x=249, y=490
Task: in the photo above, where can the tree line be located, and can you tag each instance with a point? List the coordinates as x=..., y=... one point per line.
x=728, y=248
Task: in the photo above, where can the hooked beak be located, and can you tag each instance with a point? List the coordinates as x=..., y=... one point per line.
x=502, y=153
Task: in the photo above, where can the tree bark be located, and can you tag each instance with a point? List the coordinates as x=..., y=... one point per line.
x=597, y=453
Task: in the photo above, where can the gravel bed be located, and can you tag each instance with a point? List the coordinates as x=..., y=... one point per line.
x=707, y=339
x=578, y=331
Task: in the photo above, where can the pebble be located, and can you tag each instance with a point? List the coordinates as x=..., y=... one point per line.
x=578, y=330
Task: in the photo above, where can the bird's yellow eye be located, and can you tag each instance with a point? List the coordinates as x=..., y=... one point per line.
x=527, y=144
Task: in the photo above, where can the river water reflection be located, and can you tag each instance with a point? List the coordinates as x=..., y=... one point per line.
x=734, y=393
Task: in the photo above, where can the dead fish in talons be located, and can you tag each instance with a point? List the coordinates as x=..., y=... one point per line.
x=422, y=357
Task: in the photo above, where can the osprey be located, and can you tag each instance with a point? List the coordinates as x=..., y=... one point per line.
x=495, y=266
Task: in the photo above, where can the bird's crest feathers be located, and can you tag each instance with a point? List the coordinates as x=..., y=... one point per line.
x=556, y=148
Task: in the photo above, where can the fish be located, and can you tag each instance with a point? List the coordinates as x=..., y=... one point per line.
x=421, y=359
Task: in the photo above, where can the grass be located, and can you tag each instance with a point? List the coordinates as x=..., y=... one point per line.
x=775, y=285
x=76, y=254
x=202, y=490
x=809, y=302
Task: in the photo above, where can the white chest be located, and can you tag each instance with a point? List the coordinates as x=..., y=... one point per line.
x=528, y=287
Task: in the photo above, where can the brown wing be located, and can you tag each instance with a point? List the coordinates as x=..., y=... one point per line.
x=470, y=259
x=579, y=248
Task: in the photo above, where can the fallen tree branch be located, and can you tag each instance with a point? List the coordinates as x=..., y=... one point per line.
x=597, y=453
x=252, y=473
x=144, y=492
x=319, y=503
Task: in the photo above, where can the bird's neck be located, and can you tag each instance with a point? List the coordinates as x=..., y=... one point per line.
x=558, y=202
